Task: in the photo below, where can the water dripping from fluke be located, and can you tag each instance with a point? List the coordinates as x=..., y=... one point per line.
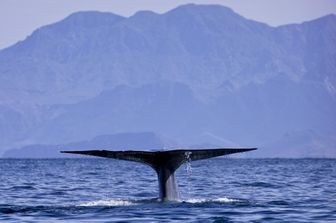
x=189, y=172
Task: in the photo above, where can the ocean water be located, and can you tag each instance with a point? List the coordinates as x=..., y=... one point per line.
x=214, y=190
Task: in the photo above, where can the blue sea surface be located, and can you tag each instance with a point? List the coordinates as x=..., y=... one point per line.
x=214, y=190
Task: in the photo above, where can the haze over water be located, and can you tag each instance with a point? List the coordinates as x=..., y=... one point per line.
x=215, y=190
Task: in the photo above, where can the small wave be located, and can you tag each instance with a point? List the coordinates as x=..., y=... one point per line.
x=125, y=202
x=110, y=203
x=259, y=184
x=217, y=200
x=12, y=209
x=23, y=187
x=278, y=202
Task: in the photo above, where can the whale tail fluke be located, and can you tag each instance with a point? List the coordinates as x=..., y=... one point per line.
x=156, y=158
x=164, y=162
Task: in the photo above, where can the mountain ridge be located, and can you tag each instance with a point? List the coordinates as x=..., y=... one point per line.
x=221, y=64
x=120, y=141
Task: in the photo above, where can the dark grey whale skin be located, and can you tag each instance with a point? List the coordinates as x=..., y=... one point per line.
x=165, y=163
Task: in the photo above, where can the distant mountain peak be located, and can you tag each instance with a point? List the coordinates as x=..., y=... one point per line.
x=203, y=7
x=92, y=15
x=329, y=16
x=92, y=18
x=145, y=13
x=327, y=19
x=142, y=17
x=197, y=9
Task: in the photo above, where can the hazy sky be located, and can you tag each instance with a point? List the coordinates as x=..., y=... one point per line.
x=18, y=18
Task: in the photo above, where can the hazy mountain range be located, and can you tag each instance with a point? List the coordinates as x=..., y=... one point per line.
x=196, y=75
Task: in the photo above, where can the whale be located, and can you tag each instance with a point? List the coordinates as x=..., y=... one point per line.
x=164, y=163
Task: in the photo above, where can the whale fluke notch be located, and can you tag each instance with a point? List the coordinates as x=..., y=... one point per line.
x=165, y=163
